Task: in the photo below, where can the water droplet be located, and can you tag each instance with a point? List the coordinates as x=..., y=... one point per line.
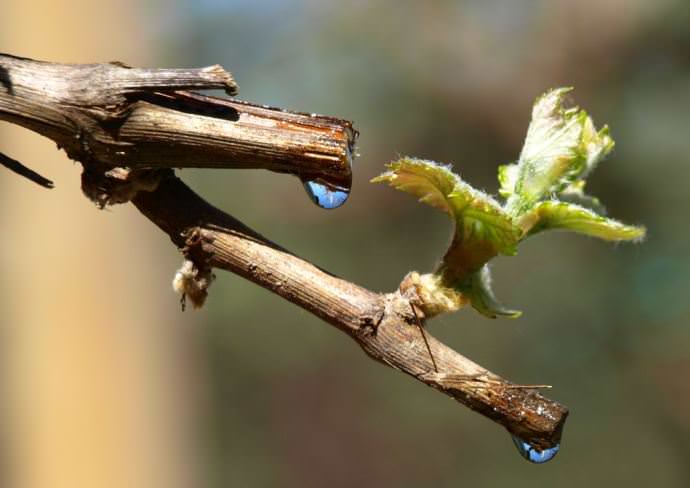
x=326, y=195
x=331, y=190
x=532, y=454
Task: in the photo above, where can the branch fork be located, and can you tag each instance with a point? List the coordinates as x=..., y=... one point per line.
x=129, y=127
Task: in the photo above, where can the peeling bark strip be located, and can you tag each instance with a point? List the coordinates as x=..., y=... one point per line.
x=141, y=118
x=107, y=116
x=258, y=137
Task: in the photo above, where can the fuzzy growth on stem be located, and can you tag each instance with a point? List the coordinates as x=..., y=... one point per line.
x=192, y=282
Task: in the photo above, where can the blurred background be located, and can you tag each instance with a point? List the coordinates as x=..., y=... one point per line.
x=106, y=383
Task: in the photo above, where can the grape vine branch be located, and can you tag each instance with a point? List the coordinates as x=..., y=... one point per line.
x=130, y=127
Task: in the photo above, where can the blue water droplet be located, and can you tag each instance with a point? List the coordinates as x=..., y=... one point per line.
x=532, y=454
x=325, y=195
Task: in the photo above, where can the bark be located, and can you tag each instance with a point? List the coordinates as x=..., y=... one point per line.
x=128, y=127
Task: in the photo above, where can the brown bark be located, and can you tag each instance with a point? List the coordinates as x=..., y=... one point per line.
x=110, y=117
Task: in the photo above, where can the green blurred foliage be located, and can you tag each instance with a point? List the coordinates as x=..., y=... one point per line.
x=295, y=403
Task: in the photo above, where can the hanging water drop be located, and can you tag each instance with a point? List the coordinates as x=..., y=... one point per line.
x=331, y=189
x=326, y=195
x=532, y=454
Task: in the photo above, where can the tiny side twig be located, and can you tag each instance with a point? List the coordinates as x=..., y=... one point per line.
x=28, y=173
x=123, y=126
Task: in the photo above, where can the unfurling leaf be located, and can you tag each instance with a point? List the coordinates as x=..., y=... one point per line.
x=596, y=145
x=482, y=228
x=561, y=147
x=544, y=190
x=568, y=216
x=507, y=176
x=481, y=296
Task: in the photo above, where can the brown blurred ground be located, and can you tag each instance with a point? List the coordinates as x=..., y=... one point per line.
x=259, y=393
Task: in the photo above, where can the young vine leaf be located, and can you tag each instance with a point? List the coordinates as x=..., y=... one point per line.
x=544, y=190
x=482, y=228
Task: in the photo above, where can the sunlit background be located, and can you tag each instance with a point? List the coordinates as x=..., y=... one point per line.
x=105, y=381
